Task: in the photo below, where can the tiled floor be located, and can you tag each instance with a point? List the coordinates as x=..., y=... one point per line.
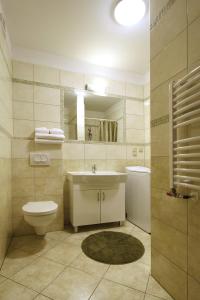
x=55, y=267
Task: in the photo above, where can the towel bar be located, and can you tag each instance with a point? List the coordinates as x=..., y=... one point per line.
x=184, y=118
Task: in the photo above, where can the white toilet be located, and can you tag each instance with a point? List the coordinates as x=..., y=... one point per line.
x=40, y=214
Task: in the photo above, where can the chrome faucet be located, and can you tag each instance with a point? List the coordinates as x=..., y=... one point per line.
x=94, y=168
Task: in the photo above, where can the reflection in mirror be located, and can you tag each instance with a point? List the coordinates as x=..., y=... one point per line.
x=103, y=118
x=92, y=117
x=70, y=115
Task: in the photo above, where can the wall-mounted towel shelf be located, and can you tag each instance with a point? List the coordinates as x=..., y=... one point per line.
x=44, y=135
x=184, y=116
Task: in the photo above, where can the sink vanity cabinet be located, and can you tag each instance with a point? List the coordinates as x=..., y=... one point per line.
x=96, y=199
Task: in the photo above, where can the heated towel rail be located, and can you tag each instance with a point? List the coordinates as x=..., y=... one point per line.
x=184, y=118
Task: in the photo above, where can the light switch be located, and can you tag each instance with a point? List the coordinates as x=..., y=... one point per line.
x=39, y=159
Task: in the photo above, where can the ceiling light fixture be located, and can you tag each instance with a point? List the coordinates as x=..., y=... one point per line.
x=129, y=12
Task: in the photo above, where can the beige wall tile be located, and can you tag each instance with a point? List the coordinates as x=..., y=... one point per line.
x=49, y=113
x=72, y=79
x=164, y=237
x=134, y=107
x=22, y=110
x=47, y=124
x=73, y=151
x=147, y=91
x=171, y=211
x=135, y=91
x=100, y=164
x=55, y=151
x=21, y=148
x=159, y=148
x=173, y=279
x=170, y=61
x=160, y=173
x=5, y=147
x=22, y=70
x=48, y=186
x=46, y=95
x=21, y=227
x=193, y=218
x=173, y=22
x=46, y=74
x=193, y=42
x=194, y=257
x=73, y=165
x=22, y=92
x=135, y=136
x=21, y=168
x=193, y=9
x=116, y=88
x=95, y=151
x=22, y=187
x=23, y=128
x=115, y=152
x=55, y=169
x=117, y=165
x=193, y=289
x=134, y=121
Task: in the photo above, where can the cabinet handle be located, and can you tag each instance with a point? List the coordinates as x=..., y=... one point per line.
x=104, y=197
x=98, y=196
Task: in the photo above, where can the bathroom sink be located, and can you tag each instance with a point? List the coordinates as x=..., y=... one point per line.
x=102, y=177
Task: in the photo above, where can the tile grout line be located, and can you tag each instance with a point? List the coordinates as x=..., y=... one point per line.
x=101, y=278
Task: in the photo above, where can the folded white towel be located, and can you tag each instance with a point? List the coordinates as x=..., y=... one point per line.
x=49, y=136
x=43, y=141
x=56, y=130
x=42, y=130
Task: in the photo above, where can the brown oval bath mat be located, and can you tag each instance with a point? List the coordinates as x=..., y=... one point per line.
x=113, y=248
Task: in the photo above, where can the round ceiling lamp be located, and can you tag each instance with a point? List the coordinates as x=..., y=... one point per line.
x=129, y=12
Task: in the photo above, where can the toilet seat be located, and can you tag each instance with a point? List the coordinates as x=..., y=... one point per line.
x=40, y=208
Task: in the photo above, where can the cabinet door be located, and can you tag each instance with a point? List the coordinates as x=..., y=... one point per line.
x=113, y=205
x=86, y=207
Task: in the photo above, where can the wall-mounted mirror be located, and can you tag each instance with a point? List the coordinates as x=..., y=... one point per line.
x=94, y=118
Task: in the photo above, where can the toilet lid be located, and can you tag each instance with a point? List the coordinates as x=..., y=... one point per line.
x=40, y=208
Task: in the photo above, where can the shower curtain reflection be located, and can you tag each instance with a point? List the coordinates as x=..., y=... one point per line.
x=101, y=130
x=108, y=131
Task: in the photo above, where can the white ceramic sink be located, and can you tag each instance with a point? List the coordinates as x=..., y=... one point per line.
x=97, y=177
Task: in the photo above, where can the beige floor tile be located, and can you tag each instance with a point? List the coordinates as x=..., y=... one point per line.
x=63, y=253
x=144, y=237
x=150, y=297
x=38, y=274
x=84, y=263
x=123, y=229
x=134, y=275
x=146, y=258
x=35, y=244
x=58, y=235
x=154, y=288
x=74, y=240
x=72, y=284
x=15, y=261
x=108, y=290
x=10, y=290
x=41, y=297
x=19, y=241
x=2, y=279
